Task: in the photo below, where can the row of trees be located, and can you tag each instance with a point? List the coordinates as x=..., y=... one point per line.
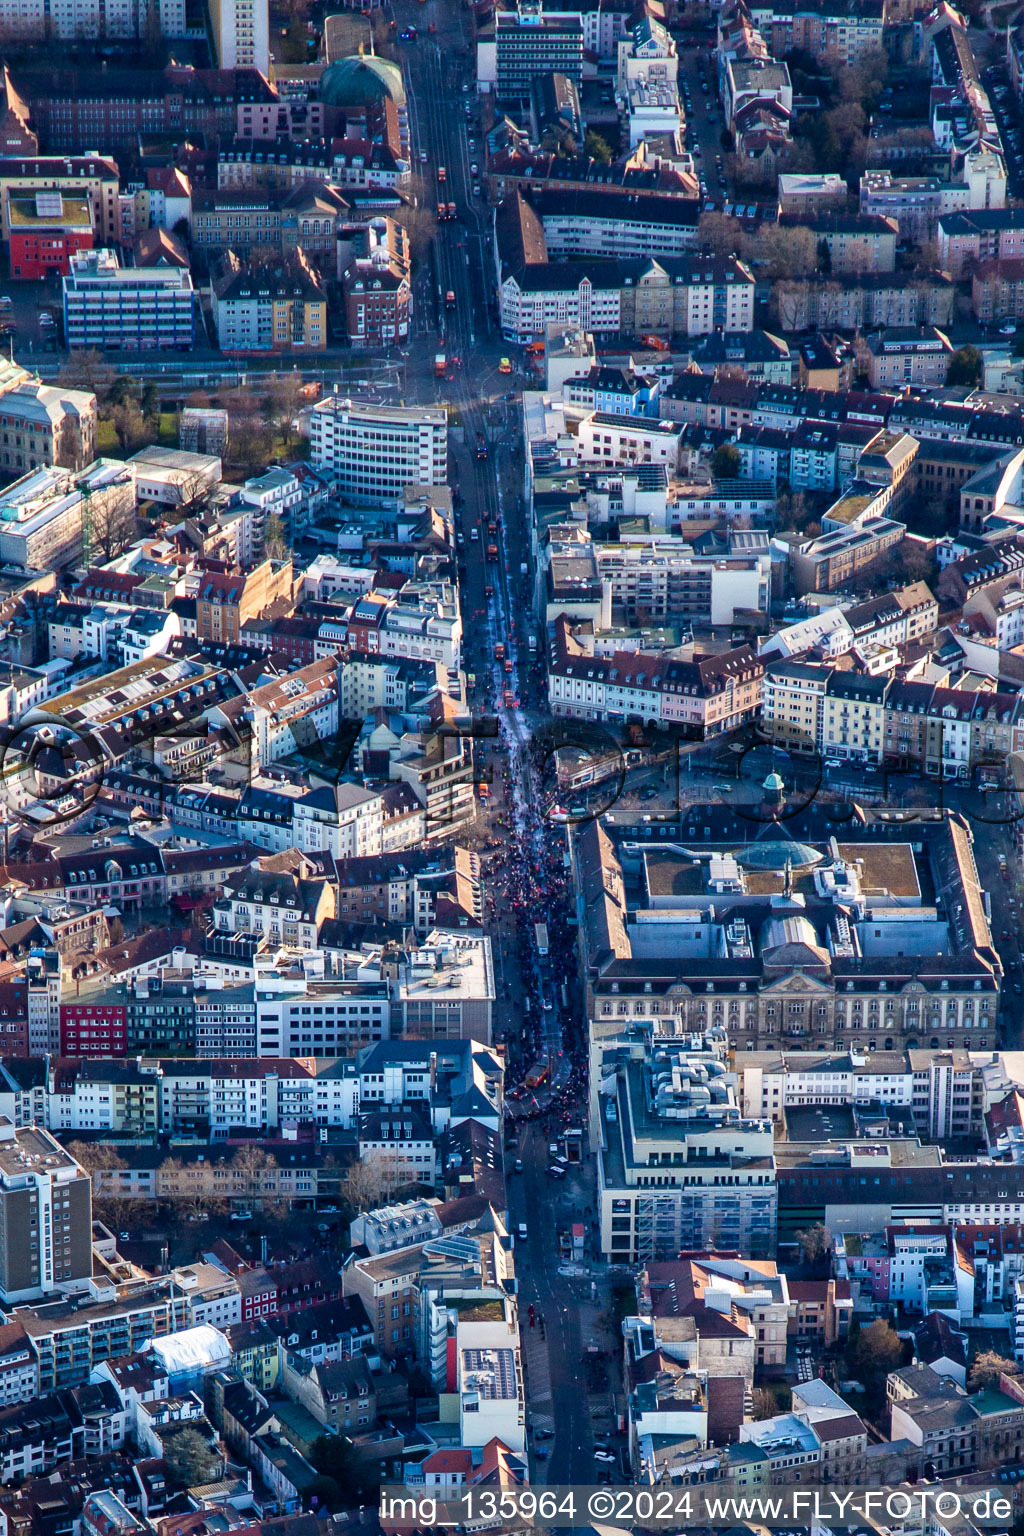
x=259, y=422
x=253, y=1177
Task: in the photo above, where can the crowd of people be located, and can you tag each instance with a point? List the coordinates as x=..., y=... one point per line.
x=528, y=882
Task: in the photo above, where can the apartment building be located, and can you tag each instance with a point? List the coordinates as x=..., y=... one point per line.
x=970, y=239
x=241, y=34
x=683, y=295
x=271, y=309
x=225, y=602
x=915, y=355
x=94, y=177
x=47, y=228
x=704, y=695
x=613, y=224
x=45, y=1216
x=864, y=300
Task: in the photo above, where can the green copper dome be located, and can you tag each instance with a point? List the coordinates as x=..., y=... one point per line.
x=361, y=80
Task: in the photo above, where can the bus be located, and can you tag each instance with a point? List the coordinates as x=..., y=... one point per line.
x=540, y=934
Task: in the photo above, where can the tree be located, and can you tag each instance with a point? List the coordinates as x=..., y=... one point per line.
x=988, y=1366
x=254, y=1178
x=274, y=542
x=87, y=370
x=124, y=391
x=190, y=1460
x=132, y=428
x=372, y=1180
x=558, y=141
x=719, y=233
x=114, y=1207
x=151, y=401
x=323, y=1493
x=598, y=148
x=788, y=251
x=192, y=488
x=765, y=1403
x=847, y=123
x=965, y=366
x=112, y=524
x=726, y=462
x=295, y=43
x=815, y=1243
x=875, y=1352
x=251, y=442
x=334, y=1457
x=188, y=1185
x=793, y=511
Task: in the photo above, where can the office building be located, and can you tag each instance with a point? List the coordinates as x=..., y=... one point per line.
x=132, y=309
x=372, y=452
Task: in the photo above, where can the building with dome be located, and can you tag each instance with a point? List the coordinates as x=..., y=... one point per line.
x=870, y=939
x=701, y=942
x=362, y=82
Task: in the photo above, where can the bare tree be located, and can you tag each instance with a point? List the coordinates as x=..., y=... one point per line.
x=87, y=370
x=721, y=234
x=132, y=428
x=251, y=441
x=286, y=393
x=255, y=1178
x=193, y=488
x=988, y=1366
x=275, y=543
x=112, y=526
x=374, y=1179
x=815, y=1242
x=788, y=251
x=114, y=1206
x=189, y=1186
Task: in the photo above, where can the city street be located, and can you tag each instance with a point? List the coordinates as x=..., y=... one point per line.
x=530, y=1015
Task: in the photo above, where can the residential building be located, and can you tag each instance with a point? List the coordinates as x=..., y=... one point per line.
x=225, y=602
x=241, y=34
x=45, y=1216
x=908, y=356
x=271, y=309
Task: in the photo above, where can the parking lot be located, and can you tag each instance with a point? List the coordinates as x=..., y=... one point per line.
x=25, y=324
x=1006, y=109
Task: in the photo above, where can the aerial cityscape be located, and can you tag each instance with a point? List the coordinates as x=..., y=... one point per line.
x=511, y=767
